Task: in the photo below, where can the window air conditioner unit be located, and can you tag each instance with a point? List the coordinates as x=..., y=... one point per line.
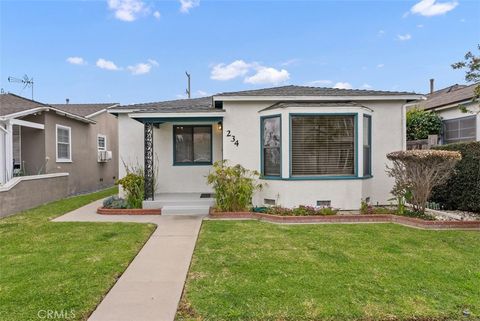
x=104, y=156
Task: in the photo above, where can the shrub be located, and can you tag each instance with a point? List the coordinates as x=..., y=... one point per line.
x=302, y=210
x=133, y=185
x=421, y=123
x=115, y=202
x=233, y=185
x=417, y=172
x=462, y=190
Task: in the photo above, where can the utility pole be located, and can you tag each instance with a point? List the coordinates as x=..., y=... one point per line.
x=187, y=91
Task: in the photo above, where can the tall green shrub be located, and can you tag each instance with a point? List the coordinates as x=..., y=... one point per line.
x=421, y=123
x=462, y=190
x=233, y=185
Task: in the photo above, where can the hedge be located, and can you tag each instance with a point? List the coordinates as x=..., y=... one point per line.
x=462, y=190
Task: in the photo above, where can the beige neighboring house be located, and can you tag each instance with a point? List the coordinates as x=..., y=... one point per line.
x=78, y=139
x=458, y=126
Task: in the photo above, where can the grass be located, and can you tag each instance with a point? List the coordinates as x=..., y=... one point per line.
x=249, y=270
x=62, y=267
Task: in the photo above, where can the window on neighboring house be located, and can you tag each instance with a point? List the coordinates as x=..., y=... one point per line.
x=102, y=143
x=271, y=142
x=367, y=145
x=459, y=130
x=192, y=145
x=323, y=145
x=64, y=144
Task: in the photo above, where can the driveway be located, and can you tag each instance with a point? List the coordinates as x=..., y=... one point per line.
x=151, y=287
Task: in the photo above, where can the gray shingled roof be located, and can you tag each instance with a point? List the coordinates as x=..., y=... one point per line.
x=83, y=109
x=307, y=104
x=447, y=96
x=312, y=91
x=11, y=103
x=203, y=104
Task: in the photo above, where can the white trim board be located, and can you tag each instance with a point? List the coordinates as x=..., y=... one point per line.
x=14, y=181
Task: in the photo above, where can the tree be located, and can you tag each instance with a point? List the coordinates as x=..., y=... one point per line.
x=421, y=123
x=472, y=74
x=417, y=172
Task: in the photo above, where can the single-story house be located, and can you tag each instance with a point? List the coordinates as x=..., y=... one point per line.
x=458, y=126
x=78, y=139
x=313, y=146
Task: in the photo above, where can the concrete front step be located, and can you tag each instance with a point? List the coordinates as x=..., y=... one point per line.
x=185, y=210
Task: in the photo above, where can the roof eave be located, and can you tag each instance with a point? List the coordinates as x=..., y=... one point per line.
x=407, y=97
x=47, y=108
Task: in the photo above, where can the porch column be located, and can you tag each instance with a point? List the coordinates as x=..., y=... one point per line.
x=8, y=151
x=148, y=166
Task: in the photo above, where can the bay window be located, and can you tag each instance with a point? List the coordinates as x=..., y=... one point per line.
x=322, y=145
x=271, y=146
x=367, y=145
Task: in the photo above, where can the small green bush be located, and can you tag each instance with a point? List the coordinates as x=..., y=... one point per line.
x=115, y=202
x=133, y=185
x=233, y=185
x=462, y=190
x=421, y=123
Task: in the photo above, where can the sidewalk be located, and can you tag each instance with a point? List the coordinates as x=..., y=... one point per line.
x=152, y=285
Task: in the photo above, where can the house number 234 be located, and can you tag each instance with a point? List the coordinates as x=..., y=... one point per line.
x=232, y=138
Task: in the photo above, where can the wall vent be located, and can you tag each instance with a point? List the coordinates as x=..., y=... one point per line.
x=269, y=201
x=324, y=203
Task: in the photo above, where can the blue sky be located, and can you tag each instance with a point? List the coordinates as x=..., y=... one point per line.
x=132, y=51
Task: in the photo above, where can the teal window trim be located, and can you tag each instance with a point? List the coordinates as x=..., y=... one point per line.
x=323, y=177
x=262, y=176
x=370, y=165
x=175, y=163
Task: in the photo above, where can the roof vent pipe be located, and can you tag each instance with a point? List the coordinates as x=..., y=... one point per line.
x=67, y=101
x=432, y=85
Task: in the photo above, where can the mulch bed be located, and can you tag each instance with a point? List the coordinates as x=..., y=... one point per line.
x=129, y=211
x=354, y=218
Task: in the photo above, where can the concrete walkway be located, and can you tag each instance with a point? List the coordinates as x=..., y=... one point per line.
x=151, y=287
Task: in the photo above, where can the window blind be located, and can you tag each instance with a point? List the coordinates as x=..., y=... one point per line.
x=460, y=130
x=323, y=145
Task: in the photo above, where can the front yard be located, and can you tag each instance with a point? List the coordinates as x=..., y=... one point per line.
x=65, y=268
x=248, y=270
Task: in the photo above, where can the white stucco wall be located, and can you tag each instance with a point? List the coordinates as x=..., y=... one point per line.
x=243, y=121
x=171, y=179
x=2, y=155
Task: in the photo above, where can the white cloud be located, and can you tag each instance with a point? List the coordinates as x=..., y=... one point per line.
x=127, y=10
x=463, y=20
x=290, y=62
x=268, y=75
x=157, y=14
x=380, y=65
x=76, y=61
x=186, y=5
x=420, y=26
x=201, y=93
x=226, y=72
x=140, y=69
x=321, y=82
x=343, y=85
x=106, y=64
x=143, y=67
x=404, y=37
x=381, y=33
x=430, y=8
x=366, y=86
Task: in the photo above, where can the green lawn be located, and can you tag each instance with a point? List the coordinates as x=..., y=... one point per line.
x=63, y=267
x=248, y=270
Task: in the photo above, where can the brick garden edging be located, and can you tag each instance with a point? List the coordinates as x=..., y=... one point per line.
x=129, y=211
x=355, y=218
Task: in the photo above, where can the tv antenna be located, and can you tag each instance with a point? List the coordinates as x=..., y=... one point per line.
x=26, y=81
x=187, y=91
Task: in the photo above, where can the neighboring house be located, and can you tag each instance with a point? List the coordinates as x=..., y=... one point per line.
x=313, y=146
x=38, y=138
x=457, y=125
